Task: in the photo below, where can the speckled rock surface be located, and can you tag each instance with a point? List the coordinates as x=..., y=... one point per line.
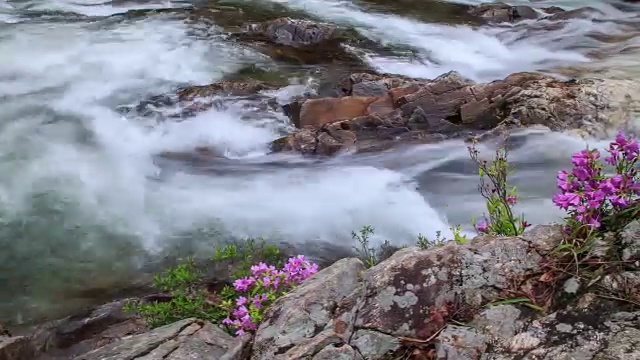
x=439, y=303
x=320, y=313
x=186, y=339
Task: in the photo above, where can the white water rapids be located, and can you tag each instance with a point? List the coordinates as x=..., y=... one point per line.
x=82, y=202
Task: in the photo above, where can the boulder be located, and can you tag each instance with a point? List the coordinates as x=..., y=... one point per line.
x=293, y=32
x=500, y=12
x=317, y=316
x=346, y=312
x=299, y=40
x=450, y=106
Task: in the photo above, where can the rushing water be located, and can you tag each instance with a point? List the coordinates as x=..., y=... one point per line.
x=84, y=202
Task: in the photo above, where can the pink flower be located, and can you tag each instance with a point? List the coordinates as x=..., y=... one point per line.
x=244, y=283
x=567, y=199
x=482, y=226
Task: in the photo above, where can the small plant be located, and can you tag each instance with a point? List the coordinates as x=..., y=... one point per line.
x=426, y=243
x=369, y=255
x=264, y=285
x=457, y=235
x=499, y=195
x=186, y=299
x=260, y=283
x=249, y=252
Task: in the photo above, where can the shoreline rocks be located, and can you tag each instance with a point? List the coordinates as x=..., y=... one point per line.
x=437, y=303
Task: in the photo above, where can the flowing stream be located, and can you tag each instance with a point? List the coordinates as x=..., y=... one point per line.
x=86, y=204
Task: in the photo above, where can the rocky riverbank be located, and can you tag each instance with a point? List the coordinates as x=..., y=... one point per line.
x=447, y=302
x=493, y=298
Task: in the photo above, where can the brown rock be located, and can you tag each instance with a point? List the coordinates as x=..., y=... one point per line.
x=451, y=106
x=317, y=112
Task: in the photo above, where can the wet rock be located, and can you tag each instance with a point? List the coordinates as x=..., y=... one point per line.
x=235, y=88
x=293, y=32
x=317, y=112
x=186, y=339
x=299, y=40
x=453, y=107
x=580, y=13
x=501, y=12
x=316, y=316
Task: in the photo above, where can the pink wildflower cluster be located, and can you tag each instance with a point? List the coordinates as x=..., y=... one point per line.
x=264, y=285
x=588, y=194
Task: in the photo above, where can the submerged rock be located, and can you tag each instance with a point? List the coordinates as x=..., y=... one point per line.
x=391, y=110
x=501, y=12
x=300, y=41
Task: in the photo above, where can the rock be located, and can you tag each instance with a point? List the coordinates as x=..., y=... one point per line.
x=631, y=241
x=373, y=345
x=501, y=12
x=235, y=88
x=460, y=343
x=412, y=292
x=317, y=112
x=340, y=352
x=299, y=40
x=500, y=322
x=293, y=32
x=315, y=316
x=16, y=348
x=580, y=13
x=185, y=339
x=450, y=106
x=86, y=331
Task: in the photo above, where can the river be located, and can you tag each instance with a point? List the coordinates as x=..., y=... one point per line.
x=85, y=203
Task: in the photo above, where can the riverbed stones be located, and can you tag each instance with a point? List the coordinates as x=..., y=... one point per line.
x=451, y=106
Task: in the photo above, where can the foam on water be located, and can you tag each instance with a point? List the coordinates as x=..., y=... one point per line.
x=476, y=53
x=79, y=181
